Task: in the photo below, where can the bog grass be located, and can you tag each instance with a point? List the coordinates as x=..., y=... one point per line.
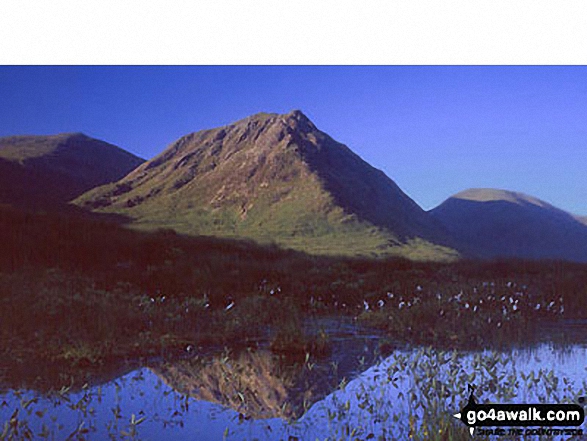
x=79, y=292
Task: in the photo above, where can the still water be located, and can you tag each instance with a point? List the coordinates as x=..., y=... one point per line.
x=254, y=394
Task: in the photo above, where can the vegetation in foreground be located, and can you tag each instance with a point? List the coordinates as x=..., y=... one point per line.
x=411, y=395
x=76, y=292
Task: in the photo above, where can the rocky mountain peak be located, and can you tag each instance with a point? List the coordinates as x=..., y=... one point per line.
x=274, y=176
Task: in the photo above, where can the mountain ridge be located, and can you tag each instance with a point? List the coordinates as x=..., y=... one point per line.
x=278, y=178
x=272, y=177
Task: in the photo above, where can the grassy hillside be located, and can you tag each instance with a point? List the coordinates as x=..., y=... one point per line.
x=274, y=178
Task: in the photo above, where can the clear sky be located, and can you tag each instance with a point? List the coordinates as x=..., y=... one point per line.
x=434, y=130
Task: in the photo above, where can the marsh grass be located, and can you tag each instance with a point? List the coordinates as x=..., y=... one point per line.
x=413, y=394
x=410, y=395
x=56, y=325
x=474, y=313
x=83, y=301
x=75, y=292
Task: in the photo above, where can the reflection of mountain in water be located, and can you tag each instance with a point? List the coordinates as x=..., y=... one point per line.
x=261, y=384
x=258, y=384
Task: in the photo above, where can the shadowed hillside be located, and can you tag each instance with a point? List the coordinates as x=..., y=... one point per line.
x=274, y=178
x=498, y=223
x=48, y=171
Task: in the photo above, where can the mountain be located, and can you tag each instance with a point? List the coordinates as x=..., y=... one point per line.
x=500, y=223
x=48, y=171
x=274, y=178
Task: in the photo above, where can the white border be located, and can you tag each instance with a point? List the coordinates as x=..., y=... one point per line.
x=292, y=32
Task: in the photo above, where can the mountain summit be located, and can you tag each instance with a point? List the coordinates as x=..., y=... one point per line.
x=495, y=195
x=48, y=171
x=276, y=178
x=500, y=223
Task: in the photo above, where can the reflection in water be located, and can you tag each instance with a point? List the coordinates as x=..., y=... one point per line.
x=46, y=377
x=257, y=384
x=259, y=395
x=260, y=384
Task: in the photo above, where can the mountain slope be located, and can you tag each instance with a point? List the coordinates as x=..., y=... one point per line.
x=500, y=223
x=275, y=178
x=48, y=171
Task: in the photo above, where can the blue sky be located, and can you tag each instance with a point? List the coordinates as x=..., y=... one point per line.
x=434, y=130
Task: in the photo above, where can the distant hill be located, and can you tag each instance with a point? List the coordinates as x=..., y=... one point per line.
x=499, y=223
x=48, y=171
x=274, y=178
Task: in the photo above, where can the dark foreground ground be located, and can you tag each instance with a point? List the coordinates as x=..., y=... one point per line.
x=81, y=293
